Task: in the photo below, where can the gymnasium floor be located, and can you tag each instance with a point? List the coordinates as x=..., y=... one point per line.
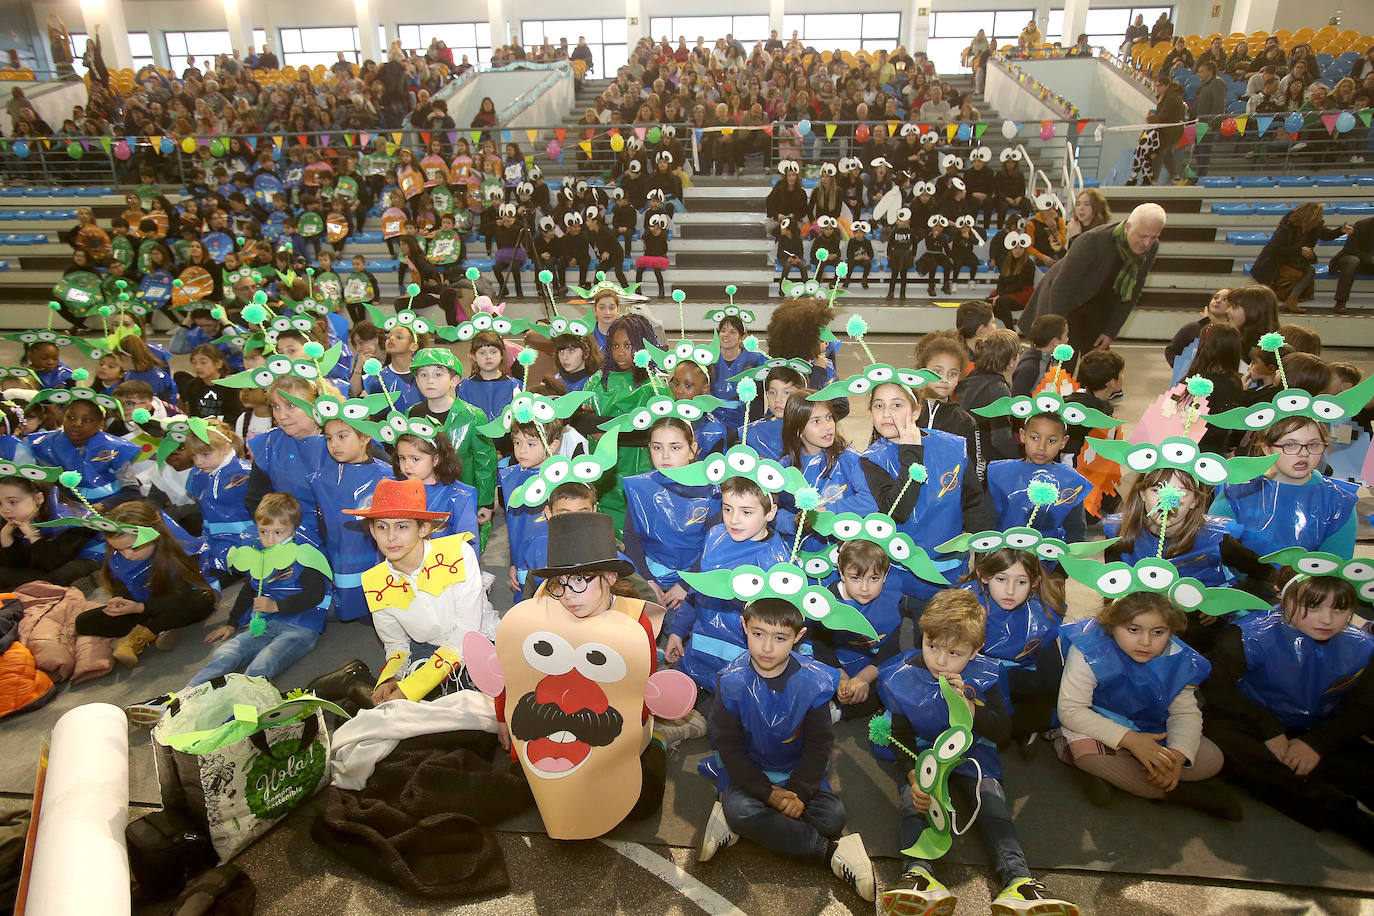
x=294, y=876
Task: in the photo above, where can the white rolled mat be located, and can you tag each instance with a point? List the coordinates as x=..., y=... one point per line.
x=80, y=864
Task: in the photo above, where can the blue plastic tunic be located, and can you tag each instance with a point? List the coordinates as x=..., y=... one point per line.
x=855, y=652
x=490, y=397
x=286, y=583
x=58, y=377
x=714, y=627
x=288, y=463
x=1014, y=638
x=939, y=511
x=765, y=437
x=349, y=547
x=1008, y=481
x=1131, y=693
x=912, y=691
x=1296, y=677
x=670, y=519
x=772, y=719
x=1202, y=562
x=723, y=369
x=400, y=384
x=511, y=476
x=710, y=433
x=1317, y=515
x=98, y=461
x=227, y=521
x=158, y=379
x=195, y=337
x=459, y=500
x=16, y=450
x=843, y=488
x=134, y=576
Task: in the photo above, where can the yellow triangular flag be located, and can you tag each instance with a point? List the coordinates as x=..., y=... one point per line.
x=1241, y=122
x=277, y=140
x=830, y=131
x=892, y=128
x=533, y=135
x=586, y=146
x=397, y=137
x=950, y=131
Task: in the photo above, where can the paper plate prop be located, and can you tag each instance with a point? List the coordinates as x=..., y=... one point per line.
x=38, y=473
x=261, y=563
x=558, y=469
x=933, y=768
x=1182, y=454
x=94, y=521
x=739, y=461
x=661, y=407
x=877, y=528
x=1311, y=563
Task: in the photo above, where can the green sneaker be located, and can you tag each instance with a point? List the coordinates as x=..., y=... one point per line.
x=1028, y=897
x=917, y=893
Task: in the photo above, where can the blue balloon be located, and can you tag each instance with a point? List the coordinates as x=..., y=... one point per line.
x=803, y=127
x=964, y=132
x=167, y=145
x=21, y=149
x=1345, y=121
x=1294, y=123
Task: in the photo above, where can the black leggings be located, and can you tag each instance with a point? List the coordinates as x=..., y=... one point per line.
x=617, y=266
x=899, y=265
x=66, y=574
x=193, y=607
x=658, y=275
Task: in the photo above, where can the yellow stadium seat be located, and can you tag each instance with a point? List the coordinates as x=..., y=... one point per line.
x=1283, y=34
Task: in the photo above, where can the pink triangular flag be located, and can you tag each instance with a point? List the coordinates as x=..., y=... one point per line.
x=1329, y=120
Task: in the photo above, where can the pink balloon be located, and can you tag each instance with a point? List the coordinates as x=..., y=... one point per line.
x=122, y=150
x=554, y=149
x=1047, y=131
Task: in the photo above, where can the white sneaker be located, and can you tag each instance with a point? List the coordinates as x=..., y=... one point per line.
x=917, y=893
x=851, y=864
x=718, y=835
x=685, y=729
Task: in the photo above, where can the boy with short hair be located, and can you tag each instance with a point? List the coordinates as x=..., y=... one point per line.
x=765, y=435
x=862, y=583
x=1046, y=333
x=360, y=289
x=437, y=372
x=974, y=321
x=770, y=727
x=528, y=452
x=984, y=385
x=943, y=353
x=568, y=496
x=1100, y=385
x=424, y=596
x=1009, y=481
x=952, y=633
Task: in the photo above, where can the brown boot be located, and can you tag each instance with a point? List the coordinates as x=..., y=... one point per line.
x=126, y=651
x=1339, y=306
x=168, y=640
x=1290, y=305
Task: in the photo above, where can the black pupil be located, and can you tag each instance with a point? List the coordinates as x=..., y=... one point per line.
x=596, y=657
x=544, y=648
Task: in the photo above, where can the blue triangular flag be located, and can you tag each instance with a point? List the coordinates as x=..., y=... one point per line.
x=1262, y=122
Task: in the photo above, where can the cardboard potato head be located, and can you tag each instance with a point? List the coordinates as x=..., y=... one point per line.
x=578, y=687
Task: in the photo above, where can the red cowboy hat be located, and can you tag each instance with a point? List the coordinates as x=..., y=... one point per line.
x=398, y=499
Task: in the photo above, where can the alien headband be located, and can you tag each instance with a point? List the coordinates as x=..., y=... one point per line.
x=95, y=521
x=739, y=461
x=280, y=366
x=1152, y=574
x=66, y=396
x=534, y=408
x=405, y=318
x=876, y=528
x=353, y=411
x=1023, y=408
x=785, y=581
x=626, y=292
x=704, y=355
x=719, y=315
x=38, y=473
x=558, y=469
x=759, y=373
x=579, y=327
x=482, y=322
x=662, y=407
x=1182, y=454
x=1310, y=563
x=1023, y=538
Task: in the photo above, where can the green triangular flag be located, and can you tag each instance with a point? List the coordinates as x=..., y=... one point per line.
x=105, y=143
x=1202, y=129
x=1364, y=116
x=978, y=131
x=476, y=138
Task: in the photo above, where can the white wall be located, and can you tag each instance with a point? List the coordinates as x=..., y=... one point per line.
x=1012, y=100
x=1355, y=14
x=1098, y=89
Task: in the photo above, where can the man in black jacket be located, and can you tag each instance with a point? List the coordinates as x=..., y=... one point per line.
x=1355, y=258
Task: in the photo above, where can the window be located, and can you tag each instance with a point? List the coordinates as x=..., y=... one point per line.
x=951, y=33
x=308, y=47
x=605, y=37
x=470, y=38
x=199, y=45
x=746, y=29
x=140, y=46
x=845, y=31
x=1105, y=27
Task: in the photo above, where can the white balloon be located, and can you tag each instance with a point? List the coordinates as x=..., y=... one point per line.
x=1009, y=129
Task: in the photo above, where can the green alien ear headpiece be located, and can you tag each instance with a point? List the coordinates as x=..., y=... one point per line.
x=280, y=324
x=482, y=322
x=38, y=473
x=719, y=315
x=1153, y=574
x=62, y=397
x=875, y=375
x=1294, y=402
x=280, y=366
x=405, y=318
x=624, y=292
x=880, y=529
x=534, y=408
x=17, y=372
x=1182, y=454
x=933, y=768
x=663, y=406
x=1021, y=538
x=578, y=327
x=173, y=433
x=759, y=373
x=785, y=581
x=739, y=461
x=352, y=411
x=557, y=469
x=1311, y=563
x=94, y=521
x=1023, y=408
x=814, y=287
x=704, y=355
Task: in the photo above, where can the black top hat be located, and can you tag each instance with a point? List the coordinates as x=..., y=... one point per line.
x=582, y=542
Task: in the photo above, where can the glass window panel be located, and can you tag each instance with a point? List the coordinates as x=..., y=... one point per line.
x=751, y=28
x=613, y=31
x=1054, y=31
x=945, y=53
x=1009, y=23
x=140, y=44
x=882, y=24
x=290, y=41
x=1105, y=22
x=176, y=43
x=329, y=39
x=837, y=25
x=381, y=38
x=203, y=43
x=530, y=30
x=791, y=23
x=482, y=33
x=960, y=25
x=844, y=44
x=409, y=35
x=259, y=38
x=615, y=57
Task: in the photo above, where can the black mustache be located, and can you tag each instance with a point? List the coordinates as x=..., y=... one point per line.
x=533, y=720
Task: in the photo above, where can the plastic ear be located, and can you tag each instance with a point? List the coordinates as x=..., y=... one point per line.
x=483, y=665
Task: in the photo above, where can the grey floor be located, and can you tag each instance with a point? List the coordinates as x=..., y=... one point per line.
x=294, y=876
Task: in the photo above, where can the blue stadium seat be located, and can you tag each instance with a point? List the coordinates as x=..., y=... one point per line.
x=1272, y=209
x=383, y=265
x=1294, y=181
x=1247, y=238
x=1232, y=209
x=1216, y=181
x=367, y=237
x=1235, y=106
x=4, y=265
x=485, y=264
x=94, y=192
x=1254, y=181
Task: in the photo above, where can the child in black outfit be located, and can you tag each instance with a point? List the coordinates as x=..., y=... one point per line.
x=791, y=248
x=858, y=253
x=938, y=253
x=901, y=251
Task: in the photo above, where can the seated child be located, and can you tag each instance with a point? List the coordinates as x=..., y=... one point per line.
x=528, y=451
x=437, y=373
x=83, y=445
x=27, y=553
x=1010, y=481
x=425, y=596
x=46, y=362
x=770, y=728
x=1128, y=710
x=219, y=484
x=432, y=462
x=951, y=636
x=1046, y=333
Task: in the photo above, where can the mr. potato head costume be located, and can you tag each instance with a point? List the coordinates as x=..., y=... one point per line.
x=572, y=683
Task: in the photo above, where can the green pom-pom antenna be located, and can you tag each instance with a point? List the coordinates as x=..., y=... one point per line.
x=314, y=349
x=545, y=276
x=254, y=314
x=1042, y=492
x=473, y=274
x=731, y=289
x=80, y=375
x=822, y=254
x=842, y=270
x=121, y=284
x=1199, y=387
x=526, y=357
x=413, y=289
x=260, y=298
x=918, y=473
x=751, y=343
x=54, y=305
x=372, y=367
x=808, y=499
x=217, y=313
x=747, y=390
x=524, y=414
x=642, y=359
x=1271, y=342
x=177, y=283
x=856, y=327
x=70, y=479
x=142, y=415
x=104, y=311
x=1063, y=353
x=679, y=296
x=880, y=731
x=1170, y=498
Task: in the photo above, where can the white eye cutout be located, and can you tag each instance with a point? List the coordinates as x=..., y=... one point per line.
x=1179, y=452
x=558, y=471
x=1260, y=419
x=953, y=743
x=986, y=542
x=1048, y=551
x=771, y=477
x=815, y=605
x=847, y=528
x=818, y=567
x=1358, y=571
x=1141, y=459
x=661, y=408
x=1315, y=566
x=1367, y=591
x=263, y=377
x=1210, y=470
x=1021, y=540
x=481, y=322
x=1157, y=578
x=396, y=421
x=1047, y=404
x=1186, y=595
x=927, y=771
x=599, y=662
x=1291, y=403
x=879, y=529
x=1115, y=582
x=689, y=412
x=785, y=582
x=279, y=365
x=548, y=653
x=741, y=461
x=1328, y=409
x=747, y=585
x=859, y=385
x=1022, y=409
x=1072, y=414
x=586, y=470
x=715, y=470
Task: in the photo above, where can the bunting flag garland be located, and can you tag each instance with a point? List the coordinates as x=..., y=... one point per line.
x=424, y=137
x=978, y=130
x=1262, y=123
x=1329, y=120
x=505, y=137
x=1365, y=116
x=1202, y=129
x=476, y=137
x=830, y=131
x=950, y=131
x=348, y=140
x=452, y=138
x=1241, y=121
x=892, y=128
x=560, y=133
x=1082, y=123
x=533, y=135
x=586, y=146
x=277, y=140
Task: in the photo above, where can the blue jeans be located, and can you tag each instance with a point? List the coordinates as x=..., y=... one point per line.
x=993, y=825
x=803, y=838
x=259, y=656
